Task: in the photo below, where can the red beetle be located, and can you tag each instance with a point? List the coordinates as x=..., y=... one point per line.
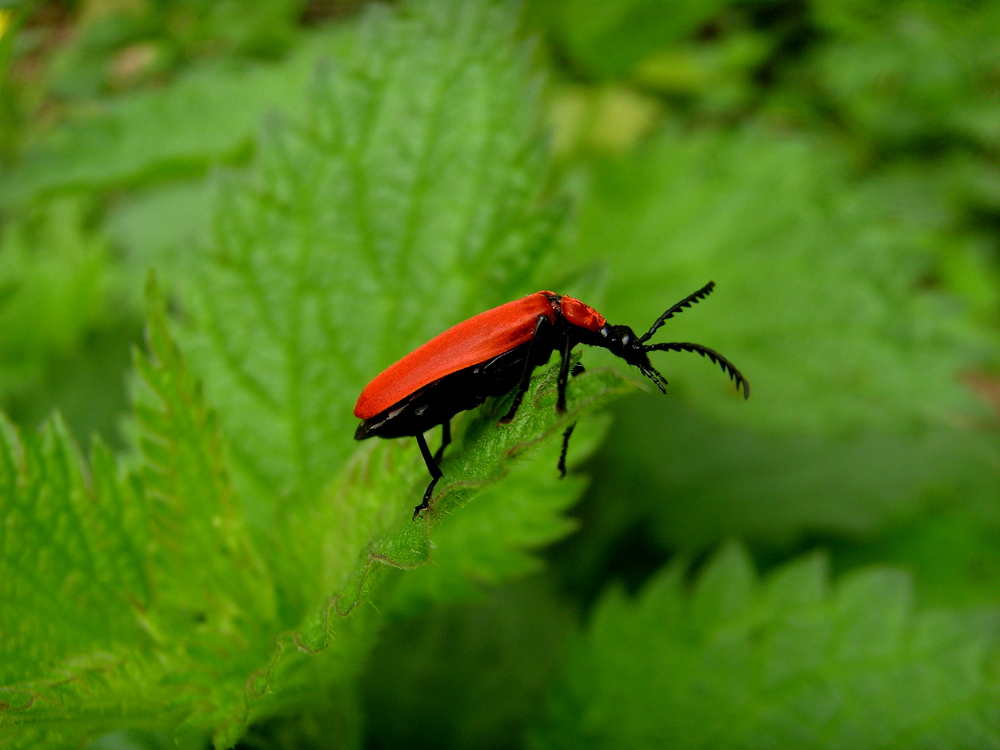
x=491, y=353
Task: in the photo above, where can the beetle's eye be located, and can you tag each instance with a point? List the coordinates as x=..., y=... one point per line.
x=626, y=339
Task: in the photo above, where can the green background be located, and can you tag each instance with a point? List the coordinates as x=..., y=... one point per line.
x=220, y=219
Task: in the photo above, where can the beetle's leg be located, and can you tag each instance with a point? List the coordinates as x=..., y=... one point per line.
x=565, y=447
x=577, y=369
x=435, y=471
x=522, y=387
x=445, y=440
x=563, y=375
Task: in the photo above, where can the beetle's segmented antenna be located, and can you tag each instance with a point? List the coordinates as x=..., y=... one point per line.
x=728, y=367
x=686, y=302
x=651, y=373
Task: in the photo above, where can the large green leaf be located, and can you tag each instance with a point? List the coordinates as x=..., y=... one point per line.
x=150, y=573
x=68, y=546
x=248, y=526
x=128, y=594
x=407, y=201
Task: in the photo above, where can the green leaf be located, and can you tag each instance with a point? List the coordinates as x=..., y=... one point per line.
x=156, y=588
x=787, y=661
x=140, y=601
x=68, y=544
x=406, y=202
x=256, y=524
x=194, y=516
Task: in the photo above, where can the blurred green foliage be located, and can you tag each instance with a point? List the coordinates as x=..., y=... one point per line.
x=318, y=187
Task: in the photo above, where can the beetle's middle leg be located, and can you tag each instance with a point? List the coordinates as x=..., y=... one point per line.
x=568, y=432
x=529, y=366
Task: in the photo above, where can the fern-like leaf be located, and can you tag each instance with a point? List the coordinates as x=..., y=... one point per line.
x=787, y=661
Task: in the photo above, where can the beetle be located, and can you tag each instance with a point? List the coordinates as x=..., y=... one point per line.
x=492, y=353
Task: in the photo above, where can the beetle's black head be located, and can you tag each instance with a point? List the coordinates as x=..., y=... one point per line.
x=623, y=342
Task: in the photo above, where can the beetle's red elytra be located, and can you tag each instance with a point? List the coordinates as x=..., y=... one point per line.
x=467, y=344
x=493, y=352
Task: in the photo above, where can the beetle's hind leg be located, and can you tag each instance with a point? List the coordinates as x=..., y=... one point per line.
x=561, y=466
x=445, y=441
x=433, y=468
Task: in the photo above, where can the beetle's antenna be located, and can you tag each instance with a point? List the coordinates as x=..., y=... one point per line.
x=728, y=367
x=679, y=307
x=651, y=373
